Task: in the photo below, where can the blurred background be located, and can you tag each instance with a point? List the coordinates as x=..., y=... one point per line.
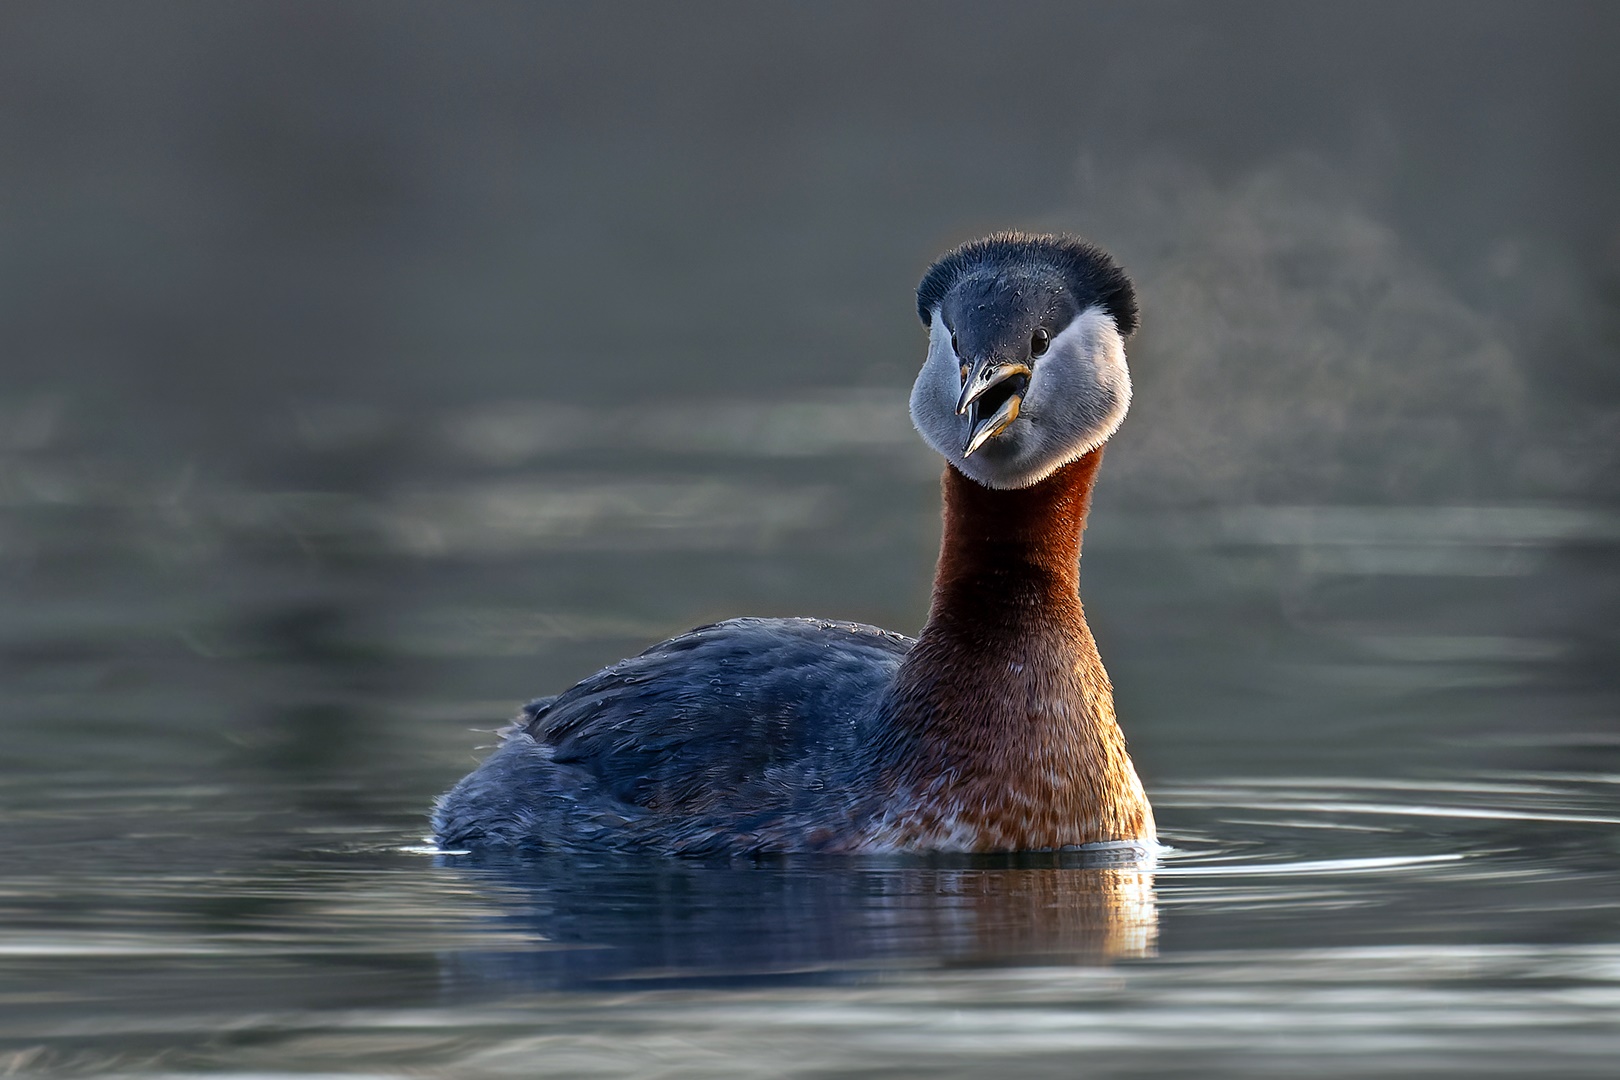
x=452, y=352
x=368, y=368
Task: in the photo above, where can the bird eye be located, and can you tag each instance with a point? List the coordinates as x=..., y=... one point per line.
x=954, y=349
x=1039, y=341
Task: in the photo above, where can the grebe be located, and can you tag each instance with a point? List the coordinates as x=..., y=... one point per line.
x=994, y=730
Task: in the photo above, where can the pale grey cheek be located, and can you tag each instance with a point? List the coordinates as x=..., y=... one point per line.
x=1089, y=397
x=933, y=406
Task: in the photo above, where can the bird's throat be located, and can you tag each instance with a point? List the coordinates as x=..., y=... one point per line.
x=1003, y=549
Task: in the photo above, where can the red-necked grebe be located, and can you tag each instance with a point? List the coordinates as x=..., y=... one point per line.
x=994, y=730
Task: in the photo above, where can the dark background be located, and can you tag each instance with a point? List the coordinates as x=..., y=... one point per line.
x=1378, y=244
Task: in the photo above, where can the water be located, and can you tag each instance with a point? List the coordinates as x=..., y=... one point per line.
x=369, y=370
x=1341, y=928
x=1393, y=799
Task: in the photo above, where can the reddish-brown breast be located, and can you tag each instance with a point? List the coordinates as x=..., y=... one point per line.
x=1001, y=723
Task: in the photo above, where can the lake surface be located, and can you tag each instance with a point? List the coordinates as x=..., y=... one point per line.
x=1380, y=741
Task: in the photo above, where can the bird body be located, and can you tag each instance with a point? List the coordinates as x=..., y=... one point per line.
x=994, y=730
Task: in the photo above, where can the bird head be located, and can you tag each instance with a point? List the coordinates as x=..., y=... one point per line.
x=1026, y=355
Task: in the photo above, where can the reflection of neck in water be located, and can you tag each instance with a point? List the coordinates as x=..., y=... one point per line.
x=1051, y=915
x=582, y=922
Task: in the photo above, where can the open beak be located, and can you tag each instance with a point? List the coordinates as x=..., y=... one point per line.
x=991, y=397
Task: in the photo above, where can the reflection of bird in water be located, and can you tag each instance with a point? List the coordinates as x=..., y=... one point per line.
x=611, y=918
x=993, y=731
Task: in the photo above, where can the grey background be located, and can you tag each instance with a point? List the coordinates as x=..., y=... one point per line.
x=1377, y=243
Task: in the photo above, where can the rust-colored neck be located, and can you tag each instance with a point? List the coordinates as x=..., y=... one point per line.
x=1000, y=723
x=1012, y=554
